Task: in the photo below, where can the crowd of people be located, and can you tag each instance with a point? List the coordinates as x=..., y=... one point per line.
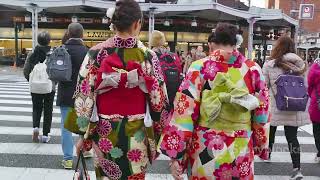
x=133, y=103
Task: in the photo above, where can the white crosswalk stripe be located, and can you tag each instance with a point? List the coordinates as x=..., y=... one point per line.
x=21, y=158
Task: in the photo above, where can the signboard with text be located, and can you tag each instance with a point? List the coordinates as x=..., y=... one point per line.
x=306, y=11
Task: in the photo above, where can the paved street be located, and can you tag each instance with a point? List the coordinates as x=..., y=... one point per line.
x=20, y=159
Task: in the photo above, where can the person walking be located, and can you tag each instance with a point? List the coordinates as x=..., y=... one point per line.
x=314, y=108
x=120, y=86
x=199, y=54
x=205, y=136
x=40, y=102
x=187, y=62
x=171, y=68
x=77, y=51
x=283, y=60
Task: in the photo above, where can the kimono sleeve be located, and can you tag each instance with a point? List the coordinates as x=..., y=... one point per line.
x=260, y=117
x=155, y=85
x=177, y=135
x=85, y=95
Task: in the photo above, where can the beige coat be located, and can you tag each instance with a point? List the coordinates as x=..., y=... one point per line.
x=271, y=73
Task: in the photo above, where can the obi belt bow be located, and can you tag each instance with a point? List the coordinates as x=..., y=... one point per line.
x=225, y=91
x=128, y=79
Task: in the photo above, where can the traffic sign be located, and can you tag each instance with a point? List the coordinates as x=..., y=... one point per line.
x=306, y=11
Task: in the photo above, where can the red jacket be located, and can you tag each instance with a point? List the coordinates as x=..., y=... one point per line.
x=313, y=87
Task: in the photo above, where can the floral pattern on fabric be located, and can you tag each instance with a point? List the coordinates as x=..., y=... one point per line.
x=139, y=136
x=244, y=168
x=87, y=144
x=101, y=55
x=222, y=148
x=82, y=123
x=213, y=141
x=105, y=145
x=116, y=152
x=83, y=106
x=209, y=70
x=225, y=172
x=172, y=141
x=137, y=176
x=134, y=155
x=110, y=168
x=104, y=128
x=182, y=104
x=124, y=43
x=85, y=87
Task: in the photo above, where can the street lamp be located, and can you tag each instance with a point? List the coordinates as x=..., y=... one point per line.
x=43, y=18
x=27, y=18
x=74, y=19
x=166, y=22
x=105, y=20
x=194, y=22
x=258, y=29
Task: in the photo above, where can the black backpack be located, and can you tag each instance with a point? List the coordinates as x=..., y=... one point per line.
x=171, y=68
x=60, y=65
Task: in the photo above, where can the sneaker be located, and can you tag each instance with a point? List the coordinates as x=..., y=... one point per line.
x=268, y=160
x=44, y=139
x=67, y=164
x=317, y=159
x=296, y=174
x=35, y=135
x=87, y=154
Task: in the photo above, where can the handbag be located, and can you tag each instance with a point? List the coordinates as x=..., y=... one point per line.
x=81, y=174
x=70, y=122
x=291, y=93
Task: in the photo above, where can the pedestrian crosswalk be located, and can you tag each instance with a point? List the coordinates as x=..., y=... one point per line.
x=20, y=159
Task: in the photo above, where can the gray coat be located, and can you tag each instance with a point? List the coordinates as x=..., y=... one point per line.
x=271, y=73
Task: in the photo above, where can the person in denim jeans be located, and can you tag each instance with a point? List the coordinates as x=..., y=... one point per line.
x=77, y=50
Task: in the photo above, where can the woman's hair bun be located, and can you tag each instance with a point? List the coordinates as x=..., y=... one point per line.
x=226, y=34
x=126, y=13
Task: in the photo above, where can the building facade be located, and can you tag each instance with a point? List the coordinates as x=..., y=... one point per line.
x=309, y=32
x=291, y=8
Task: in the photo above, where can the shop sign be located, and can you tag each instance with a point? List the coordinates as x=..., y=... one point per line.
x=306, y=11
x=96, y=34
x=269, y=47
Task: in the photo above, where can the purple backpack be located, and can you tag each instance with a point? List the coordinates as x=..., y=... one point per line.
x=291, y=93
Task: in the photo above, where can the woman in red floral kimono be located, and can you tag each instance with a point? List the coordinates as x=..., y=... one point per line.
x=220, y=117
x=120, y=82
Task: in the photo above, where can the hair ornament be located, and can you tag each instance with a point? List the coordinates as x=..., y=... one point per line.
x=239, y=40
x=110, y=13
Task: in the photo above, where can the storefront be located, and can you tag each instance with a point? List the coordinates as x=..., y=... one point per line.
x=185, y=40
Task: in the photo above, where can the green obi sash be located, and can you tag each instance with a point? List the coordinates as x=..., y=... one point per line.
x=226, y=106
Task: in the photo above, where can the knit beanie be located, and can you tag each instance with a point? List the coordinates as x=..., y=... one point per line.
x=157, y=39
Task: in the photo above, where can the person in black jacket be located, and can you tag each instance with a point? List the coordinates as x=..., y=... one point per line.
x=77, y=51
x=40, y=101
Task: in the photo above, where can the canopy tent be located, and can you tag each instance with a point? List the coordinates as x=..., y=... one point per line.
x=203, y=9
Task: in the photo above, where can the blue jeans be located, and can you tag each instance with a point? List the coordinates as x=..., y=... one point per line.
x=66, y=136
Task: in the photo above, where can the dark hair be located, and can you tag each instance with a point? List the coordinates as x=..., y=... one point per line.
x=126, y=13
x=211, y=37
x=226, y=34
x=44, y=38
x=65, y=38
x=75, y=30
x=283, y=46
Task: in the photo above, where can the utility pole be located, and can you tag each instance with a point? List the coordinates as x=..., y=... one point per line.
x=249, y=3
x=16, y=31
